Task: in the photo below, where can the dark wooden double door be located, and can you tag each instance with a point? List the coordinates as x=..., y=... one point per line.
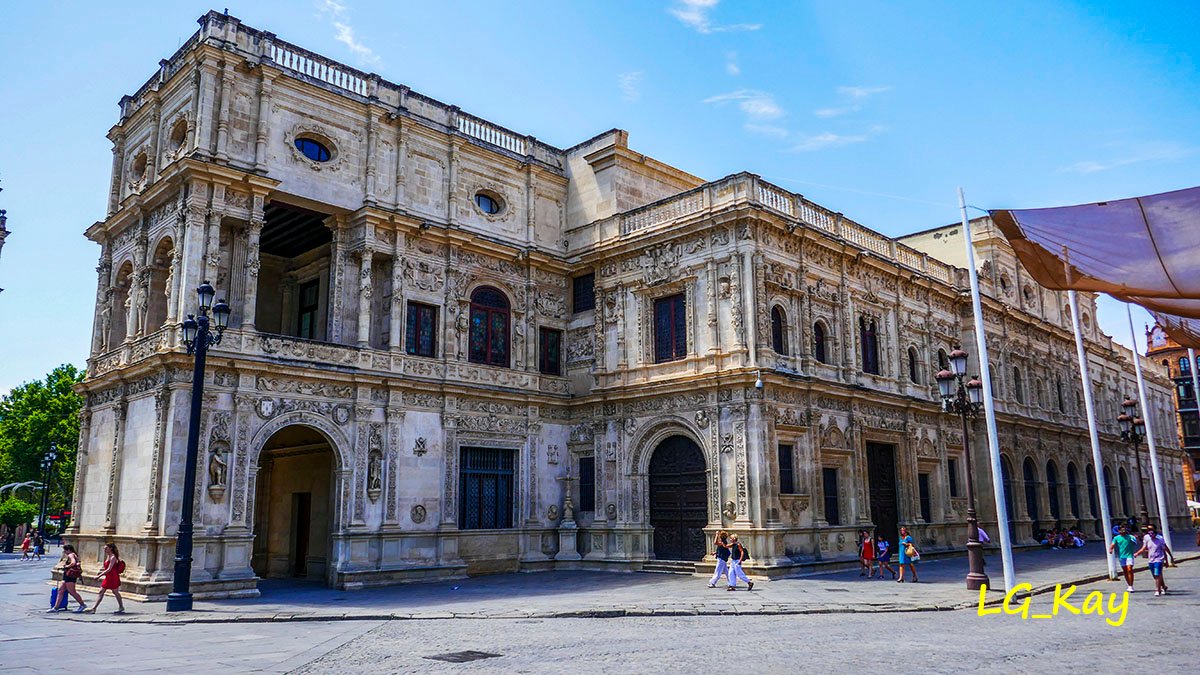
x=678, y=500
x=881, y=476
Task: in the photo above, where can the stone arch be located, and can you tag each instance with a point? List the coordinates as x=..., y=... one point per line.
x=161, y=278
x=342, y=447
x=662, y=428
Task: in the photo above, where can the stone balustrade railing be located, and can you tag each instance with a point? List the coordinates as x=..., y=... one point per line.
x=749, y=188
x=228, y=33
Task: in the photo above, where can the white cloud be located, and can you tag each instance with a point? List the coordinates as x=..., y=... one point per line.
x=731, y=64
x=695, y=15
x=826, y=140
x=852, y=98
x=768, y=130
x=1130, y=154
x=630, y=84
x=335, y=13
x=757, y=105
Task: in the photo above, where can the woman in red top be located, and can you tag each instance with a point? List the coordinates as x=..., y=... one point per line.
x=866, y=553
x=110, y=577
x=25, y=546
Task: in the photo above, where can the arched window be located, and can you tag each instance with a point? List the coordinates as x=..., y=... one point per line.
x=913, y=375
x=869, y=341
x=943, y=360
x=1123, y=478
x=1037, y=392
x=1093, y=493
x=1058, y=393
x=1006, y=476
x=489, y=327
x=1031, y=500
x=820, y=351
x=778, y=331
x=1185, y=366
x=1073, y=488
x=1018, y=386
x=1052, y=489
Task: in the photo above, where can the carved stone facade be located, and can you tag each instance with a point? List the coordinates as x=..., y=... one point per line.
x=411, y=313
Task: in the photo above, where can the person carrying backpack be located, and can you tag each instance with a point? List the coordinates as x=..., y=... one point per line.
x=738, y=554
x=110, y=577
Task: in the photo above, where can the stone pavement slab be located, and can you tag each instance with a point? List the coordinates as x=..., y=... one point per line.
x=580, y=594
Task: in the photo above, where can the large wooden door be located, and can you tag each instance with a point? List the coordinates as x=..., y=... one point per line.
x=678, y=500
x=881, y=469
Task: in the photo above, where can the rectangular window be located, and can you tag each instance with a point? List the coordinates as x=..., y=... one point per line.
x=587, y=483
x=583, y=292
x=306, y=314
x=923, y=489
x=829, y=481
x=421, y=330
x=485, y=496
x=550, y=351
x=670, y=329
x=952, y=473
x=787, y=476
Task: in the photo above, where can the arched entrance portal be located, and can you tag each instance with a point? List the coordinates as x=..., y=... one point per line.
x=678, y=500
x=293, y=519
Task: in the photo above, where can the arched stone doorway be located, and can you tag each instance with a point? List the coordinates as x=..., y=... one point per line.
x=678, y=500
x=293, y=520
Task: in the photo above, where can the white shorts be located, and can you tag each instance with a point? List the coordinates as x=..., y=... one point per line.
x=1126, y=562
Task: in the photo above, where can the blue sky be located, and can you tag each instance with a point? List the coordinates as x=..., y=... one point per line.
x=878, y=110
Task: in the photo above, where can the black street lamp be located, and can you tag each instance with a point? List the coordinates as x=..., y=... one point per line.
x=47, y=464
x=965, y=400
x=198, y=338
x=1133, y=430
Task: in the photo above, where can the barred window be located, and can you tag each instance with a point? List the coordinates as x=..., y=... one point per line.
x=485, y=499
x=583, y=292
x=829, y=481
x=925, y=499
x=587, y=483
x=787, y=473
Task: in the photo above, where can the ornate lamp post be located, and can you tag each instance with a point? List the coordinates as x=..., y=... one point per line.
x=965, y=400
x=1133, y=430
x=198, y=338
x=47, y=464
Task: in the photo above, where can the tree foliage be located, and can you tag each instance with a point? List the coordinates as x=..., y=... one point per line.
x=34, y=415
x=14, y=512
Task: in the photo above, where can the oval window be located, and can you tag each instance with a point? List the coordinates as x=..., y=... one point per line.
x=487, y=203
x=313, y=149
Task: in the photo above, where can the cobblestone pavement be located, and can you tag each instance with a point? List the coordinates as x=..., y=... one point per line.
x=1153, y=639
x=607, y=594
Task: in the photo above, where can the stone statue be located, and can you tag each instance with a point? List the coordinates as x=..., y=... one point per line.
x=129, y=323
x=374, y=475
x=143, y=302
x=217, y=469
x=105, y=323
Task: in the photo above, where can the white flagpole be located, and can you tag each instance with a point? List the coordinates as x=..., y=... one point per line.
x=1164, y=524
x=989, y=410
x=1089, y=406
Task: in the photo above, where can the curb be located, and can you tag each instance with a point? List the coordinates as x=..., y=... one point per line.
x=614, y=613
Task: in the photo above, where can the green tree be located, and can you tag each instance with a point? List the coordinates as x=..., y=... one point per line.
x=14, y=512
x=34, y=415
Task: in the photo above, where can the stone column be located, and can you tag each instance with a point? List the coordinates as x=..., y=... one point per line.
x=751, y=311
x=162, y=406
x=114, y=467
x=397, y=307
x=287, y=292
x=104, y=309
x=118, y=163
x=365, y=290
x=337, y=279
x=263, y=124
x=155, y=134
x=253, y=264
x=372, y=142
x=212, y=248
x=223, y=115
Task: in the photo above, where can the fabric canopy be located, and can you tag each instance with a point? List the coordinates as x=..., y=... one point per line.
x=1140, y=250
x=1184, y=330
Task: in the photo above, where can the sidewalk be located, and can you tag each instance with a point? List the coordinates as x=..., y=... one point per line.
x=609, y=594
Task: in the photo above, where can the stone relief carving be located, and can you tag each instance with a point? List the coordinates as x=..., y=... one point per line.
x=419, y=447
x=417, y=514
x=659, y=264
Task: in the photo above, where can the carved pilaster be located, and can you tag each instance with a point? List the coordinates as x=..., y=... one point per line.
x=223, y=116
x=263, y=124
x=253, y=265
x=118, y=163
x=85, y=438
x=162, y=406
x=365, y=291
x=114, y=467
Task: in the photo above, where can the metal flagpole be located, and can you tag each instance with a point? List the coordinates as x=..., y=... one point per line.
x=1089, y=406
x=989, y=410
x=1163, y=523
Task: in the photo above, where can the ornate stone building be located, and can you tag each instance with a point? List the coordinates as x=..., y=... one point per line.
x=457, y=349
x=1176, y=365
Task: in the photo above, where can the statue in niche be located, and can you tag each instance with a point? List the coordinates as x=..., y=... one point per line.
x=218, y=469
x=374, y=475
x=105, y=323
x=143, y=302
x=129, y=324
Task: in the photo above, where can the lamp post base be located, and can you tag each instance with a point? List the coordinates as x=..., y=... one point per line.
x=179, y=602
x=976, y=577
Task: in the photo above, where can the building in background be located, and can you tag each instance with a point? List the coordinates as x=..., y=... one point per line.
x=1173, y=362
x=457, y=349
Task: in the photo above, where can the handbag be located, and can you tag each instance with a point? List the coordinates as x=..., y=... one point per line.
x=911, y=552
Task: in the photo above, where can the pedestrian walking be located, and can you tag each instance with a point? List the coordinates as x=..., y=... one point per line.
x=909, y=555
x=110, y=578
x=866, y=553
x=884, y=555
x=722, y=553
x=26, y=544
x=1125, y=546
x=737, y=555
x=39, y=546
x=72, y=570
x=1156, y=548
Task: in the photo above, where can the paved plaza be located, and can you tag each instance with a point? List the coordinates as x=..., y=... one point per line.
x=602, y=621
